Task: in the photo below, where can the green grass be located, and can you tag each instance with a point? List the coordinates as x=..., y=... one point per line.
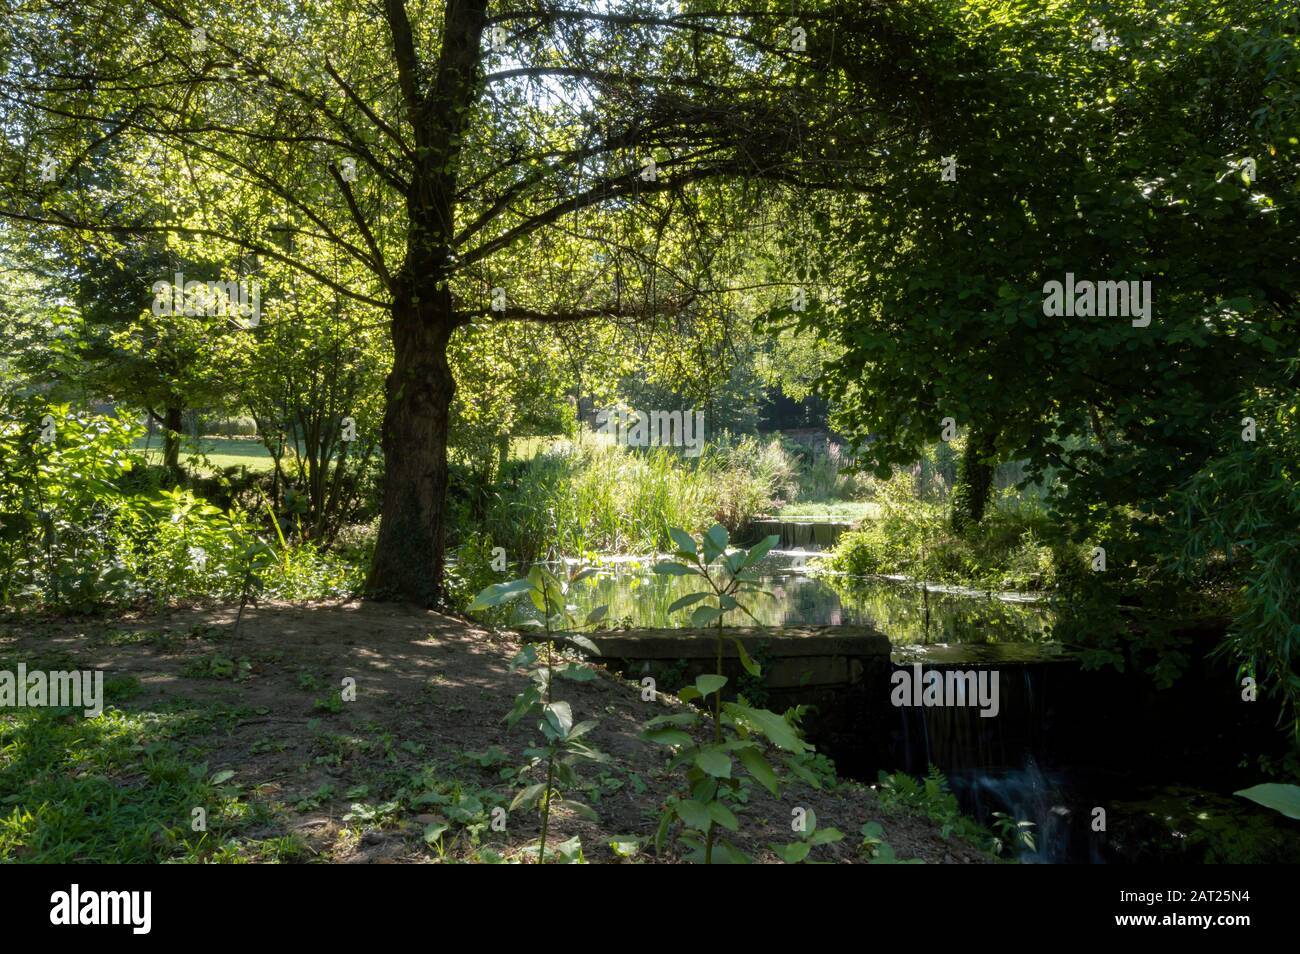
x=118, y=788
x=609, y=499
x=221, y=451
x=526, y=448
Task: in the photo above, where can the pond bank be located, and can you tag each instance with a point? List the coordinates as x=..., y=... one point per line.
x=253, y=727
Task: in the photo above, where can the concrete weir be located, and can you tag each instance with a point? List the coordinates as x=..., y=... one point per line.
x=843, y=671
x=819, y=533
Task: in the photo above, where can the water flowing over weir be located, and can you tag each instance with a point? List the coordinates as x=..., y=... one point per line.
x=1012, y=762
x=1068, y=741
x=810, y=533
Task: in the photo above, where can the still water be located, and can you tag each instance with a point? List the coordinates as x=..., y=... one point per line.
x=796, y=594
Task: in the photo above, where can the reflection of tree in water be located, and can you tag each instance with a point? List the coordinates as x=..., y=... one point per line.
x=641, y=598
x=899, y=610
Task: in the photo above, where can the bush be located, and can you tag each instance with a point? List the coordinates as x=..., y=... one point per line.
x=58, y=500
x=78, y=528
x=820, y=476
x=1011, y=548
x=240, y=426
x=469, y=572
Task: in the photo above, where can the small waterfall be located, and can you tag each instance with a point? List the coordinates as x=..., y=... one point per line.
x=1048, y=799
x=959, y=738
x=1067, y=742
x=1006, y=763
x=800, y=534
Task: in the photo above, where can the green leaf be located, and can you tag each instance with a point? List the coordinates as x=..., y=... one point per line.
x=528, y=797
x=715, y=763
x=715, y=542
x=525, y=657
x=674, y=718
x=434, y=830
x=722, y=815
x=687, y=600
x=799, y=769
x=499, y=593
x=709, y=684
x=669, y=568
x=682, y=540
x=595, y=616
x=759, y=768
x=728, y=854
x=560, y=716
x=705, y=615
x=581, y=729
x=661, y=833
x=794, y=852
x=705, y=788
x=668, y=737
x=810, y=822
x=751, y=667
x=1274, y=795
x=223, y=776
x=772, y=726
x=761, y=549
x=825, y=836
x=578, y=808
x=693, y=814
x=577, y=673
x=625, y=846
x=583, y=643
x=569, y=852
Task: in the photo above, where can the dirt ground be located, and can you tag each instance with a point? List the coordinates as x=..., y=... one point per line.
x=431, y=695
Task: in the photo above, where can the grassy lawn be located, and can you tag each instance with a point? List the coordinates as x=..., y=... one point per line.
x=221, y=451
x=841, y=509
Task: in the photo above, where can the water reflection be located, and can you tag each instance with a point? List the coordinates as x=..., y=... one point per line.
x=640, y=599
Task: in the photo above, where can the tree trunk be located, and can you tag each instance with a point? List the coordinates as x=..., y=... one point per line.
x=974, y=486
x=172, y=442
x=503, y=453
x=407, y=565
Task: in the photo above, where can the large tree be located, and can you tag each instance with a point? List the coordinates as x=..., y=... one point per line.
x=1131, y=142
x=440, y=163
x=1168, y=157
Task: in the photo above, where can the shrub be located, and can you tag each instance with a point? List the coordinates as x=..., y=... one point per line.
x=240, y=426
x=78, y=529
x=1011, y=549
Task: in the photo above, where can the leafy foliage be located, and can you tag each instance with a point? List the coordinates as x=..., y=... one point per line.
x=564, y=745
x=714, y=769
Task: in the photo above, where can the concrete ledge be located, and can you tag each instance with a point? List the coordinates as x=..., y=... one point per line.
x=783, y=643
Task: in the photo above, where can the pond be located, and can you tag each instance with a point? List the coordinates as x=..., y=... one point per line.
x=799, y=595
